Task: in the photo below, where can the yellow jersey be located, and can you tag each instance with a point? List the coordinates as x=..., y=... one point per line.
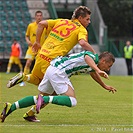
x=64, y=35
x=31, y=33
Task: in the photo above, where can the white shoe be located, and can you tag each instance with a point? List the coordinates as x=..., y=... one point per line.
x=7, y=72
x=22, y=84
x=15, y=80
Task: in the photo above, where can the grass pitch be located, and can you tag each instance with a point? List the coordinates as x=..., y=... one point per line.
x=97, y=110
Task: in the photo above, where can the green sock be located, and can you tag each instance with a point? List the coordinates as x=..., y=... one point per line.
x=31, y=100
x=23, y=103
x=59, y=100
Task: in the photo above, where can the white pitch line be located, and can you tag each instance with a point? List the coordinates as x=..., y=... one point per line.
x=67, y=125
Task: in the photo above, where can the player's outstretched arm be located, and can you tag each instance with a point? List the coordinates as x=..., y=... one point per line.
x=98, y=79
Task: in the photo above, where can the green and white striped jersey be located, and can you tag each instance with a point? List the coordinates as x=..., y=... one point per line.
x=74, y=63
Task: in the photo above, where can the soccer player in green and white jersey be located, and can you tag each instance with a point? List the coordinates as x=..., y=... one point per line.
x=56, y=79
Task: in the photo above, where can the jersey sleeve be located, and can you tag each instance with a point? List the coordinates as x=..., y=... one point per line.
x=93, y=56
x=83, y=34
x=52, y=22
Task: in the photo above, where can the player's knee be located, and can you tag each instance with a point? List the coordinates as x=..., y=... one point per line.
x=73, y=101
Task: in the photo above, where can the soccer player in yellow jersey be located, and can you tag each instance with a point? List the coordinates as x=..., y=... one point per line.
x=64, y=35
x=30, y=37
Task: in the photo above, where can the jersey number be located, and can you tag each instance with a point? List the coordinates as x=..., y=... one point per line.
x=69, y=28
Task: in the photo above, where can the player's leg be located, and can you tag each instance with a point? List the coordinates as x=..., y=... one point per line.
x=30, y=56
x=22, y=103
x=35, y=77
x=20, y=77
x=47, y=90
x=129, y=66
x=66, y=99
x=42, y=65
x=38, y=71
x=28, y=101
x=56, y=80
x=63, y=100
x=62, y=85
x=27, y=66
x=30, y=114
x=9, y=66
x=18, y=62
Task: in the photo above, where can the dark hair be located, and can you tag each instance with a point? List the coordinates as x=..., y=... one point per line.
x=14, y=40
x=38, y=12
x=81, y=11
x=108, y=56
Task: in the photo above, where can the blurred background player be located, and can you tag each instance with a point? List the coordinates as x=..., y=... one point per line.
x=128, y=54
x=15, y=55
x=30, y=39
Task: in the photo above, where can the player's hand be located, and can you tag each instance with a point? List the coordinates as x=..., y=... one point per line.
x=111, y=89
x=103, y=74
x=36, y=47
x=30, y=44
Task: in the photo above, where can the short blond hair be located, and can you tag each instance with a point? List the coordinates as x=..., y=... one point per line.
x=81, y=11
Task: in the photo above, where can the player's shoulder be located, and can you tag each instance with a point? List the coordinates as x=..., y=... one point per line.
x=91, y=54
x=62, y=20
x=82, y=28
x=53, y=20
x=32, y=23
x=95, y=57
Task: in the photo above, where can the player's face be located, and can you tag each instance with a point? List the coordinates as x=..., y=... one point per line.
x=15, y=42
x=85, y=21
x=104, y=65
x=38, y=17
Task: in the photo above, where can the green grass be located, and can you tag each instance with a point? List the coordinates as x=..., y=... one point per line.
x=97, y=110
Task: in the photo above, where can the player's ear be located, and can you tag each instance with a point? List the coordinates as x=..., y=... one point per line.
x=80, y=18
x=103, y=60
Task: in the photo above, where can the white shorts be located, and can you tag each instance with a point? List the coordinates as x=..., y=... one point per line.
x=54, y=80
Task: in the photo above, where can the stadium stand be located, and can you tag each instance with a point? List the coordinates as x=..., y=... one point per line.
x=1, y=37
x=1, y=48
x=14, y=19
x=34, y=5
